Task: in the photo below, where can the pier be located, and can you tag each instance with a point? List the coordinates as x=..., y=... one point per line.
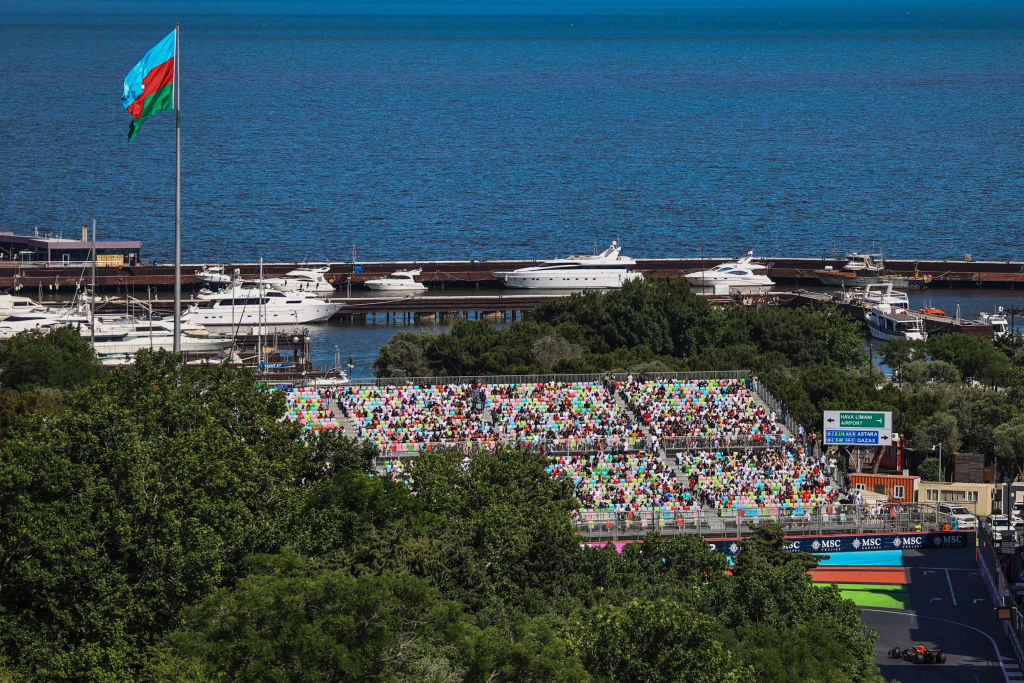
x=511, y=307
x=933, y=324
x=37, y=278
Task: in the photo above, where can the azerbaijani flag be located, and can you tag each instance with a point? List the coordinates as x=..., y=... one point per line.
x=149, y=86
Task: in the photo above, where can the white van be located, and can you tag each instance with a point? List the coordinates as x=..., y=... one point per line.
x=950, y=512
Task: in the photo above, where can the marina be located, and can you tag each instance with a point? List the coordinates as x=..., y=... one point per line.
x=50, y=276
x=506, y=307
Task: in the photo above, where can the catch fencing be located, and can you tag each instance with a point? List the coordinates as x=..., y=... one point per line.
x=996, y=581
x=820, y=520
x=444, y=380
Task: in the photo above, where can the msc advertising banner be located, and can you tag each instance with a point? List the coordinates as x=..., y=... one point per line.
x=822, y=545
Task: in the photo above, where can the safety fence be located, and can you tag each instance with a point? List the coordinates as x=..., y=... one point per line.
x=995, y=580
x=442, y=380
x=717, y=442
x=576, y=445
x=600, y=525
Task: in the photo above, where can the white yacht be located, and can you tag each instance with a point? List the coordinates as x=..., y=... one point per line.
x=42, y=320
x=1000, y=324
x=216, y=275
x=398, y=281
x=127, y=335
x=11, y=304
x=874, y=295
x=744, y=274
x=606, y=270
x=252, y=304
x=302, y=280
x=296, y=280
x=888, y=322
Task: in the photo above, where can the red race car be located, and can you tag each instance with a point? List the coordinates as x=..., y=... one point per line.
x=918, y=655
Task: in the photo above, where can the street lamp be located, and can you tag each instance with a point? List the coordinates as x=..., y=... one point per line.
x=939, y=446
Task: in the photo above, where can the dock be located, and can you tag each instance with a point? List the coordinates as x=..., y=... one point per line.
x=933, y=324
x=510, y=307
x=41, y=277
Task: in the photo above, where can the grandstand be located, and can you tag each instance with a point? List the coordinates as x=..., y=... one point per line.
x=685, y=446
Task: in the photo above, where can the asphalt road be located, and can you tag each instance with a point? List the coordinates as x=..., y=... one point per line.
x=950, y=609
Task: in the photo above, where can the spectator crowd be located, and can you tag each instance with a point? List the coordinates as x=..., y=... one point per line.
x=603, y=437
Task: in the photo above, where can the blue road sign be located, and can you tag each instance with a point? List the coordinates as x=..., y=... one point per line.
x=856, y=437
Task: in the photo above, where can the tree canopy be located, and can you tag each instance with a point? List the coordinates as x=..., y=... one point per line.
x=166, y=524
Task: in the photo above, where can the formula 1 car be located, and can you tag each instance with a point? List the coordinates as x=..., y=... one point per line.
x=918, y=655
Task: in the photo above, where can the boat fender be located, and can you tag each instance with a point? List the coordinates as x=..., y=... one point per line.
x=618, y=258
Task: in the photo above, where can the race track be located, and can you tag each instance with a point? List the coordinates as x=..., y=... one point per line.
x=937, y=599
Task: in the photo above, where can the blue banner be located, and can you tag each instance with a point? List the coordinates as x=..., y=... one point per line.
x=823, y=545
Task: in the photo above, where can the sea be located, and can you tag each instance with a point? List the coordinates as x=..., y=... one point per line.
x=316, y=130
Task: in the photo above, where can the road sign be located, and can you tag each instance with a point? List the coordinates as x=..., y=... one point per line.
x=857, y=427
x=857, y=437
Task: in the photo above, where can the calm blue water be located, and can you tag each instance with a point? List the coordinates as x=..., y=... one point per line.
x=427, y=132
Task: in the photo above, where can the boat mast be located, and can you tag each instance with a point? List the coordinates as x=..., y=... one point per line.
x=177, y=192
x=703, y=275
x=92, y=304
x=259, y=323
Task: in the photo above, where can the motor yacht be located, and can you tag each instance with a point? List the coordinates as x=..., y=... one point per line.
x=1000, y=324
x=889, y=322
x=302, y=280
x=254, y=304
x=216, y=275
x=296, y=280
x=11, y=304
x=874, y=295
x=863, y=269
x=127, y=335
x=42, y=320
x=400, y=280
x=606, y=270
x=743, y=274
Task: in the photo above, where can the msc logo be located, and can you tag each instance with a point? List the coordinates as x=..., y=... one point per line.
x=793, y=547
x=908, y=541
x=827, y=544
x=867, y=543
x=955, y=540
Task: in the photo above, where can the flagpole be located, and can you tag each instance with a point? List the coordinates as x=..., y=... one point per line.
x=177, y=194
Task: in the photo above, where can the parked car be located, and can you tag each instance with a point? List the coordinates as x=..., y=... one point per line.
x=957, y=516
x=1001, y=526
x=1017, y=511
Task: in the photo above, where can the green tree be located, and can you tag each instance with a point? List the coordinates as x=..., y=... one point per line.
x=773, y=597
x=295, y=622
x=553, y=348
x=511, y=521
x=147, y=494
x=941, y=427
x=1008, y=444
x=648, y=640
x=929, y=469
x=61, y=359
x=975, y=357
x=404, y=356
